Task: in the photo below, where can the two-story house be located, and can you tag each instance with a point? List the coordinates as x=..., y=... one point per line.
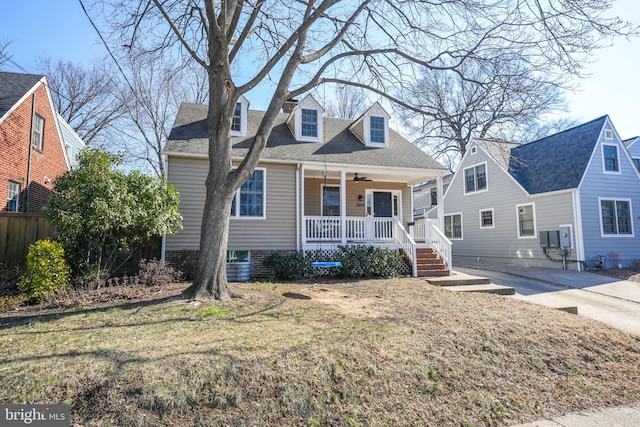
x=321, y=182
x=567, y=200
x=36, y=144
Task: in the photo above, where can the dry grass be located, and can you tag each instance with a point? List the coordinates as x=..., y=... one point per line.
x=369, y=353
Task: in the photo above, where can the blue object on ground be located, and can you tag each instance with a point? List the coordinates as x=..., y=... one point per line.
x=326, y=264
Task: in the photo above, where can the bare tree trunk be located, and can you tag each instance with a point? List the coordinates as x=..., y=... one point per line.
x=211, y=277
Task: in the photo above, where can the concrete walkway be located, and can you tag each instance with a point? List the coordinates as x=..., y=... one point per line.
x=612, y=301
x=603, y=298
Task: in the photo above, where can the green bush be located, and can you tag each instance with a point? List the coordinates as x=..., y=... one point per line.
x=361, y=261
x=357, y=262
x=288, y=267
x=48, y=272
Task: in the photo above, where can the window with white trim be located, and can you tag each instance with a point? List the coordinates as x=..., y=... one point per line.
x=616, y=217
x=38, y=131
x=475, y=178
x=13, y=196
x=610, y=158
x=250, y=199
x=526, y=221
x=376, y=130
x=309, y=123
x=636, y=162
x=486, y=218
x=330, y=200
x=453, y=226
x=236, y=123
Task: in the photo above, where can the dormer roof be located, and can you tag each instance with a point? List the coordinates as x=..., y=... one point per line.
x=372, y=133
x=306, y=120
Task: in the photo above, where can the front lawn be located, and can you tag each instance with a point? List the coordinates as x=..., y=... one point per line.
x=368, y=353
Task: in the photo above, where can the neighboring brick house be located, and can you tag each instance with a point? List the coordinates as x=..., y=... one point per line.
x=33, y=151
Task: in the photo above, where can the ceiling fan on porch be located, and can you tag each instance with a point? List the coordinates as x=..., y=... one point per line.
x=357, y=178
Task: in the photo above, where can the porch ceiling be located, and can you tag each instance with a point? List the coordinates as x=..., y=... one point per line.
x=409, y=176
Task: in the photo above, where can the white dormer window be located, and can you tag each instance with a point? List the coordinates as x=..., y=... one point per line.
x=305, y=121
x=372, y=128
x=376, y=130
x=309, y=123
x=239, y=120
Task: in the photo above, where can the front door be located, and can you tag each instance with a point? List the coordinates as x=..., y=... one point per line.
x=383, y=208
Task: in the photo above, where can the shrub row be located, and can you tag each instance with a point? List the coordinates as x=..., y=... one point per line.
x=357, y=261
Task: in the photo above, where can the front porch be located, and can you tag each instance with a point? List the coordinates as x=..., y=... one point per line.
x=339, y=205
x=417, y=241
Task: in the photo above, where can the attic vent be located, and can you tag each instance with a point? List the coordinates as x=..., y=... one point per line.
x=474, y=150
x=608, y=134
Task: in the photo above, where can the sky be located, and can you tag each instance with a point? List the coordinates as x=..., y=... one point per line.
x=59, y=29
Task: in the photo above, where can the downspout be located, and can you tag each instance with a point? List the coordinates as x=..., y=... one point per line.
x=26, y=190
x=163, y=243
x=298, y=207
x=577, y=234
x=440, y=206
x=343, y=207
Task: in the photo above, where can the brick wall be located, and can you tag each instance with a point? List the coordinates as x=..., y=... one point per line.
x=186, y=261
x=15, y=136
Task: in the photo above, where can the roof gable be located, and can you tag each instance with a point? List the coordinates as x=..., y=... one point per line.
x=557, y=162
x=13, y=88
x=189, y=136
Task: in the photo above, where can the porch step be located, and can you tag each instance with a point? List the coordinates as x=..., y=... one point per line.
x=428, y=264
x=461, y=282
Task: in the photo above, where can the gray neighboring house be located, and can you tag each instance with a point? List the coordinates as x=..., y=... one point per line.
x=321, y=182
x=576, y=189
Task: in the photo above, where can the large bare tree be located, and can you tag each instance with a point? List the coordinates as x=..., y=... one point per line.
x=498, y=101
x=289, y=47
x=151, y=90
x=84, y=96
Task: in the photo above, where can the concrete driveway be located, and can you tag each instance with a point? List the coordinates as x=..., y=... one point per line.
x=611, y=301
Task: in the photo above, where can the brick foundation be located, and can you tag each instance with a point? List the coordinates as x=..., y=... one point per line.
x=187, y=260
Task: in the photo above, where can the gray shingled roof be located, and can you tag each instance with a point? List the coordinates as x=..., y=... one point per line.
x=189, y=136
x=13, y=86
x=556, y=162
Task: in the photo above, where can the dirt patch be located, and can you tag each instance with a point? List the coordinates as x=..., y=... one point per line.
x=348, y=303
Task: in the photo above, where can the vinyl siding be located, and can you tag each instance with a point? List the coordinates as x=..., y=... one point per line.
x=276, y=231
x=312, y=197
x=501, y=243
x=623, y=186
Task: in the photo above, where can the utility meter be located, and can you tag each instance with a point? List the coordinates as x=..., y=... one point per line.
x=565, y=236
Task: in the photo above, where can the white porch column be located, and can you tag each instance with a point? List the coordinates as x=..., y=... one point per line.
x=440, y=207
x=303, y=225
x=343, y=207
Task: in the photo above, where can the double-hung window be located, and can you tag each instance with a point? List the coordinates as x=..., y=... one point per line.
x=486, y=218
x=330, y=200
x=616, y=217
x=236, y=124
x=250, y=199
x=376, y=129
x=309, y=123
x=475, y=178
x=38, y=131
x=13, y=197
x=453, y=226
x=610, y=158
x=526, y=221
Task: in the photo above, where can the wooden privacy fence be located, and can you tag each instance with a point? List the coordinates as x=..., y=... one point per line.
x=18, y=231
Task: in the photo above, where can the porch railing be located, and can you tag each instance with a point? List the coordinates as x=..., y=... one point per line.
x=357, y=229
x=438, y=241
x=372, y=230
x=407, y=244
